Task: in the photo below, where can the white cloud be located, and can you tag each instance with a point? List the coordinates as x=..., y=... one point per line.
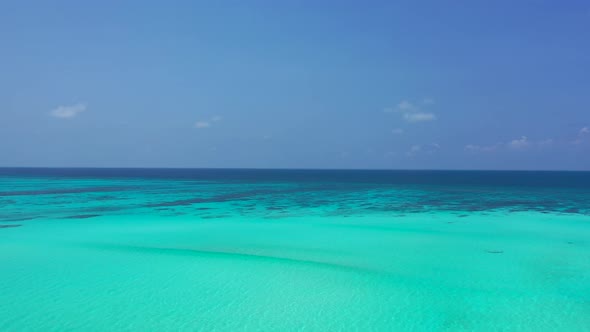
x=484, y=148
x=202, y=124
x=519, y=143
x=412, y=112
x=546, y=143
x=516, y=144
x=583, y=134
x=423, y=149
x=207, y=123
x=419, y=117
x=397, y=131
x=406, y=106
x=524, y=143
x=66, y=112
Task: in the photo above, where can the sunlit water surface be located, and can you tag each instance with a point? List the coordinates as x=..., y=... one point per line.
x=232, y=250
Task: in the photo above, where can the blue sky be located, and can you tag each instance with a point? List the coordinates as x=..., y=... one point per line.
x=296, y=84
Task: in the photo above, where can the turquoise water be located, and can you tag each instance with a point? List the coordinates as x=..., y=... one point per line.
x=190, y=250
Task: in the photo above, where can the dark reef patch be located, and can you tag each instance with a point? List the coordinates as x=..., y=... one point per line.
x=7, y=201
x=16, y=219
x=105, y=198
x=238, y=196
x=572, y=210
x=82, y=216
x=10, y=226
x=214, y=217
x=495, y=251
x=107, y=208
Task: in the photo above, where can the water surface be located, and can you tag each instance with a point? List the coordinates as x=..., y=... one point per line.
x=282, y=250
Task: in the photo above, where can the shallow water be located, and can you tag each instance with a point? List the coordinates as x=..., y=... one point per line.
x=169, y=250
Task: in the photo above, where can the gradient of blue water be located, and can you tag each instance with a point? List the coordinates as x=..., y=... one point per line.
x=149, y=249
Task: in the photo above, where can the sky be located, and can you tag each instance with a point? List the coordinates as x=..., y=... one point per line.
x=296, y=84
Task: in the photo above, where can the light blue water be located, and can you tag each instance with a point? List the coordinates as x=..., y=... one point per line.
x=168, y=250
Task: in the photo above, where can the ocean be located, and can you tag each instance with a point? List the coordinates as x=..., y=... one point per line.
x=290, y=250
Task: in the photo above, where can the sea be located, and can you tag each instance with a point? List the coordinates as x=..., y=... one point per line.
x=85, y=249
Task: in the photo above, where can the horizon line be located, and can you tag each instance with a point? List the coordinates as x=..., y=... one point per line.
x=294, y=169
